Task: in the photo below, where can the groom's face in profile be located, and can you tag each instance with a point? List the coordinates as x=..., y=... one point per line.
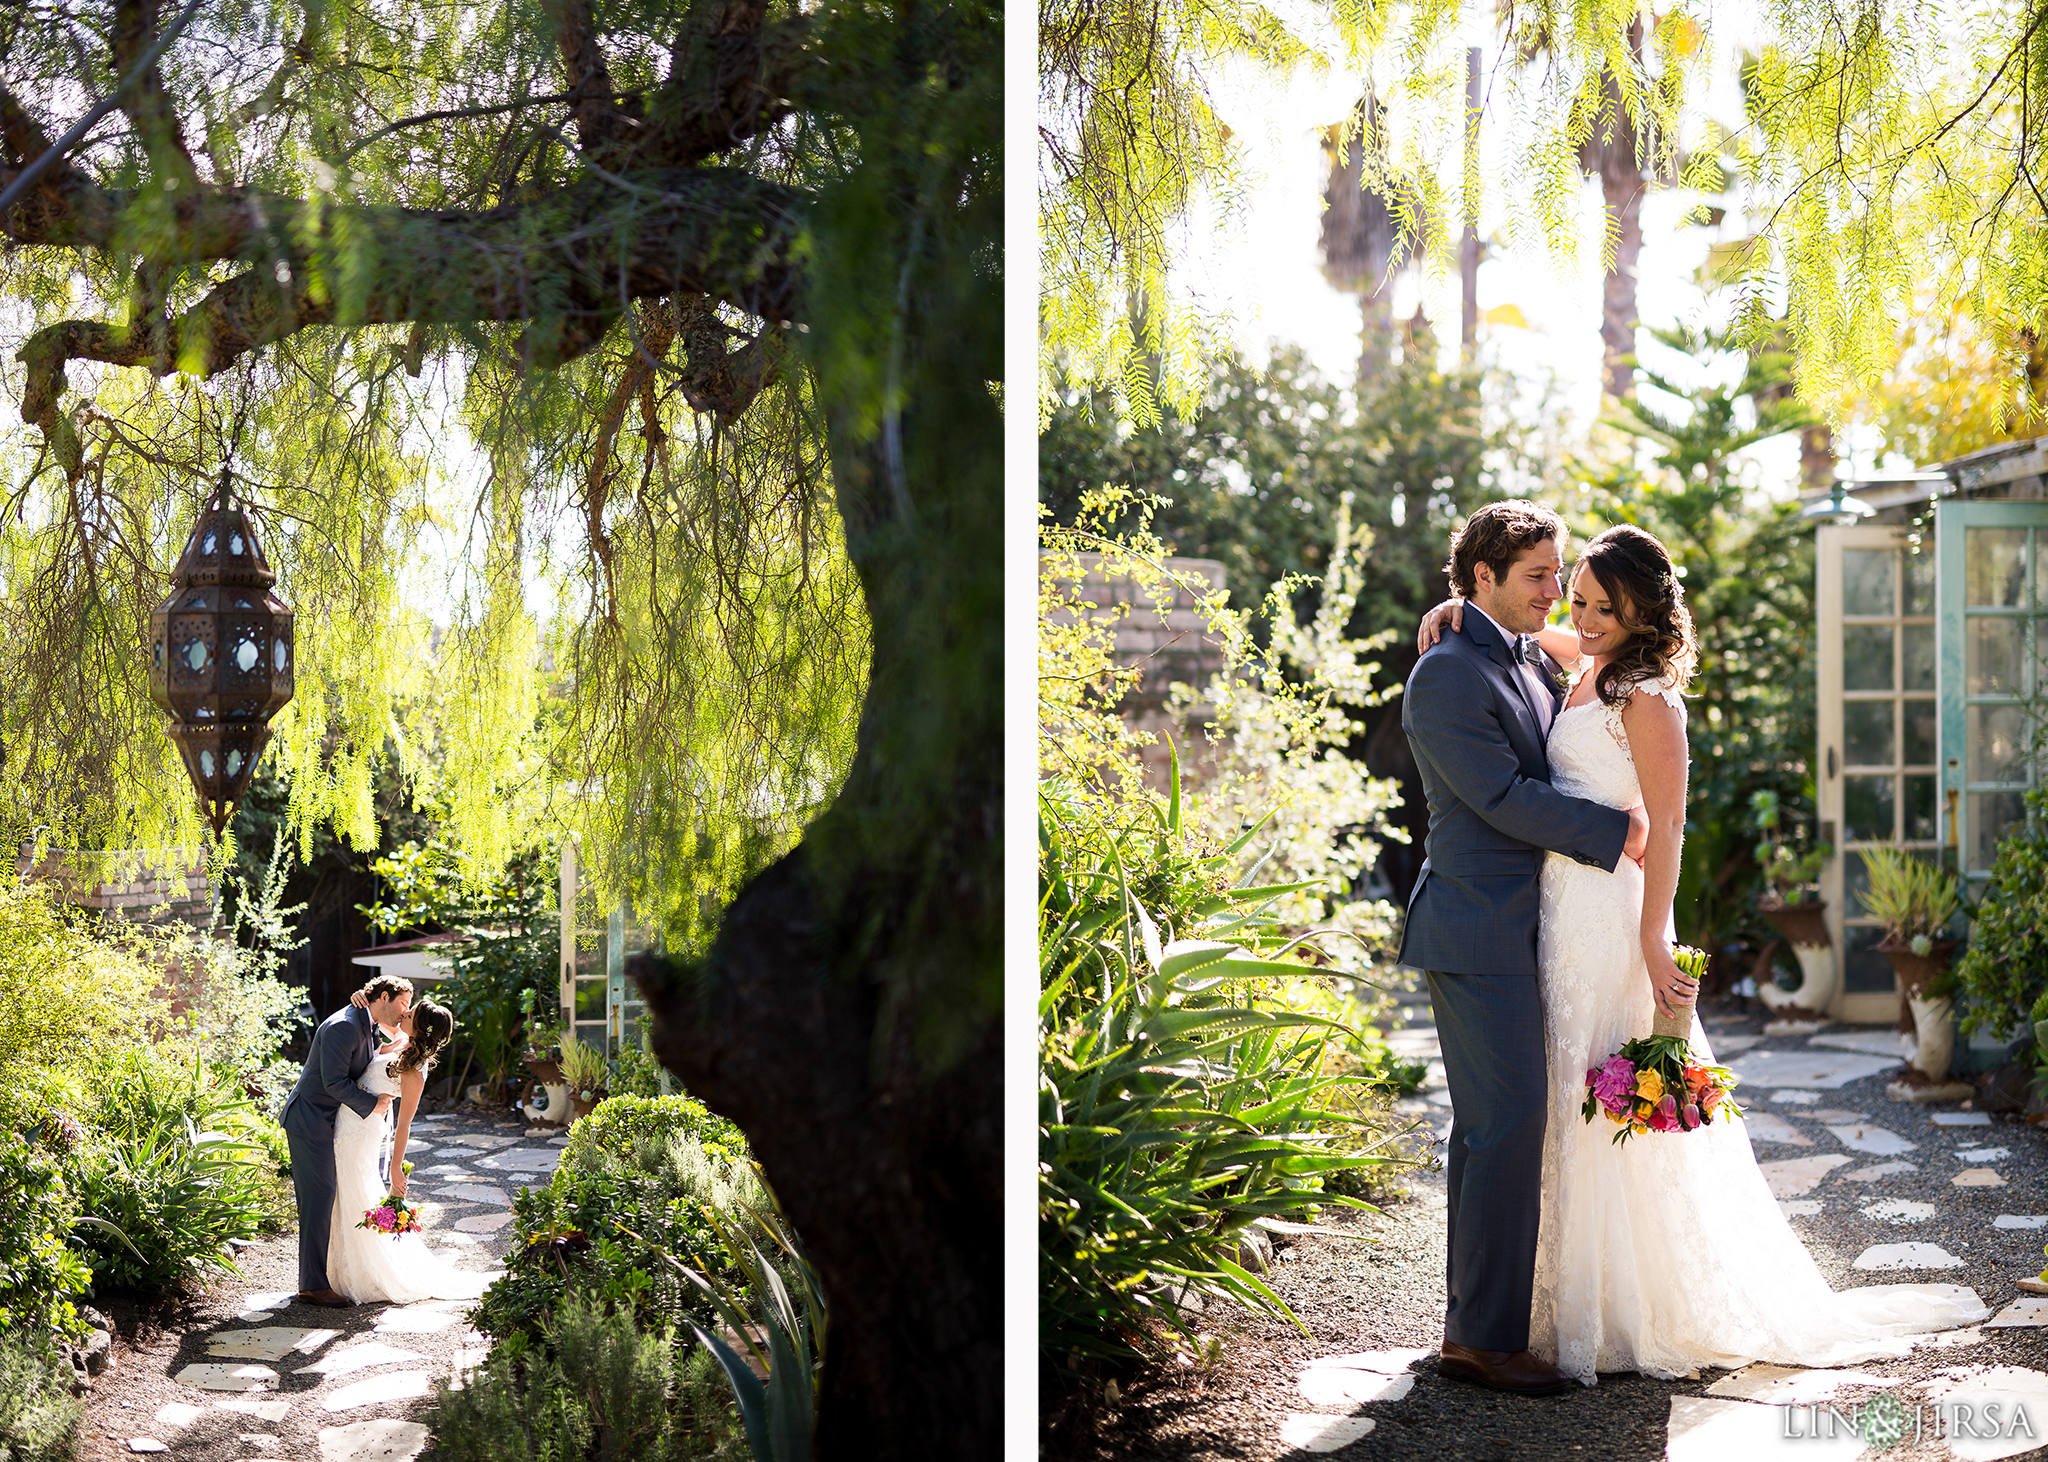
x=389, y=1010
x=1521, y=600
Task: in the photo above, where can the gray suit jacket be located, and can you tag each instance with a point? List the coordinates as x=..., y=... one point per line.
x=341, y=1050
x=1477, y=727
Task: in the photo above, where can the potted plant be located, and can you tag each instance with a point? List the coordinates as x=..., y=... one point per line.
x=542, y=1034
x=1792, y=902
x=2003, y=975
x=1915, y=901
x=583, y=1070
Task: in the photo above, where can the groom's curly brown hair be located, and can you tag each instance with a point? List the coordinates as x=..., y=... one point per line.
x=1496, y=535
x=377, y=987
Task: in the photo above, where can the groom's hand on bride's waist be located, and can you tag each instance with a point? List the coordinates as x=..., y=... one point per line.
x=1638, y=833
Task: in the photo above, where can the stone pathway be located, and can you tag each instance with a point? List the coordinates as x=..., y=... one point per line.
x=260, y=1376
x=1881, y=1191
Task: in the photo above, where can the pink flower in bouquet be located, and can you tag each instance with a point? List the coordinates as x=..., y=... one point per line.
x=385, y=1217
x=1689, y=1114
x=1665, y=1116
x=1711, y=1098
x=1614, y=1083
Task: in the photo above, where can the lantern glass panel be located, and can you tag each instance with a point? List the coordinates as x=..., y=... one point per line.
x=209, y=543
x=280, y=655
x=205, y=762
x=246, y=654
x=196, y=654
x=235, y=545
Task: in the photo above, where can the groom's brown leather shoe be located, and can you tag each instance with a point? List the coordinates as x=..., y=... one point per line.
x=1501, y=1370
x=325, y=1297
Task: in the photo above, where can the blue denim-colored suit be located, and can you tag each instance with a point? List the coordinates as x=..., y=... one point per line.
x=341, y=1050
x=1477, y=724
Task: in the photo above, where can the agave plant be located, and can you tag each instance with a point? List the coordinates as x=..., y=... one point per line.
x=782, y=1333
x=1175, y=1109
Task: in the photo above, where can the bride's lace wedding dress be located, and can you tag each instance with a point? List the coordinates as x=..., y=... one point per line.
x=362, y=1263
x=1668, y=1252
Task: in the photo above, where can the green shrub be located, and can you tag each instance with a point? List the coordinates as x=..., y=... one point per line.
x=39, y=1269
x=600, y=1386
x=662, y=1167
x=1177, y=1105
x=2004, y=973
x=40, y=1420
x=165, y=1168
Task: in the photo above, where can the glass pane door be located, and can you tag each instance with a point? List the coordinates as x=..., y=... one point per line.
x=1994, y=566
x=1879, y=724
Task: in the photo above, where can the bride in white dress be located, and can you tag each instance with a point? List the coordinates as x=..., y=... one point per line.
x=361, y=1263
x=1668, y=1252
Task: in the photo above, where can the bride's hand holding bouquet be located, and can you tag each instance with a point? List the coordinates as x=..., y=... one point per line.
x=1653, y=1084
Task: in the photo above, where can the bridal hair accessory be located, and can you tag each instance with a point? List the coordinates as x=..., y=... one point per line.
x=1652, y=1084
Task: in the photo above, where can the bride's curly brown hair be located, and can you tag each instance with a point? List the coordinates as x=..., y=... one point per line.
x=1649, y=603
x=432, y=1025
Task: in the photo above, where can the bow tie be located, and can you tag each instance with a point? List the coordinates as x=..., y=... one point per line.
x=1519, y=648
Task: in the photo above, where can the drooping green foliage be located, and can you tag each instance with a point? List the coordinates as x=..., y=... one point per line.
x=1131, y=147
x=491, y=313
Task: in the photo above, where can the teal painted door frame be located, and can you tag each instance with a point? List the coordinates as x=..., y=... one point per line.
x=1996, y=554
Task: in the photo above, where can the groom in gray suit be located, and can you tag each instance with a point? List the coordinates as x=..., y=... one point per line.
x=1477, y=711
x=341, y=1050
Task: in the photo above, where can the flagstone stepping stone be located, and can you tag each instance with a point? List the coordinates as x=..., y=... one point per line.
x=1312, y=1433
x=471, y=1193
x=2020, y=1220
x=1870, y=1043
x=1899, y=1210
x=490, y=1142
x=1800, y=1207
x=1731, y=1045
x=1876, y=1141
x=1790, y=1385
x=2026, y=1312
x=1714, y=1429
x=1977, y=1178
x=1779, y=1069
x=483, y=1223
x=1880, y=1170
x=392, y=1386
x=270, y=1411
x=1796, y=1027
x=1962, y=1119
x=413, y=1320
x=1795, y=1177
x=1834, y=1114
x=208, y=1377
x=451, y=1239
x=269, y=1300
x=2014, y=1391
x=522, y=1160
x=1336, y=1386
x=271, y=1342
x=1796, y=1098
x=447, y=1170
x=381, y=1440
x=1386, y=1362
x=1769, y=1127
x=174, y=1415
x=360, y=1358
x=1984, y=1154
x=562, y=1141
x=146, y=1444
x=1906, y=1256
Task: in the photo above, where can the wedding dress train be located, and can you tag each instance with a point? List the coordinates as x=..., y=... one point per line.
x=1668, y=1252
x=361, y=1263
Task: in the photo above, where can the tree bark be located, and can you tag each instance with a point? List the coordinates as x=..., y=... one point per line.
x=1616, y=158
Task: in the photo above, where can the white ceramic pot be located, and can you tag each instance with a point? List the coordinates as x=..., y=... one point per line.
x=1817, y=981
x=1934, y=1029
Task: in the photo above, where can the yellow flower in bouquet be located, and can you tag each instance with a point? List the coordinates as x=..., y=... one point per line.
x=1650, y=1086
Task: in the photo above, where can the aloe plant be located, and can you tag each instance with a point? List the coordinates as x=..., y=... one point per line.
x=1911, y=897
x=1174, y=1110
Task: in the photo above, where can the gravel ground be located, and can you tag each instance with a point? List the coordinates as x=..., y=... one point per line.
x=127, y=1402
x=1388, y=1293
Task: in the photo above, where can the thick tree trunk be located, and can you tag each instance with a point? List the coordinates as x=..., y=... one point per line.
x=847, y=1017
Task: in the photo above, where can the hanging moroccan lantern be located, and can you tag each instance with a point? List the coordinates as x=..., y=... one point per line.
x=221, y=656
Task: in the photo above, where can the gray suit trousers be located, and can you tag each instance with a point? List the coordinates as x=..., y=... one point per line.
x=1491, y=1030
x=313, y=1183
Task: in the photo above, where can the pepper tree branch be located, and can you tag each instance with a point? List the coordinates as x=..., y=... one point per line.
x=566, y=264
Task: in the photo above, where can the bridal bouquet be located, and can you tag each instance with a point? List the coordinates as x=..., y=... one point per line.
x=394, y=1216
x=1653, y=1085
